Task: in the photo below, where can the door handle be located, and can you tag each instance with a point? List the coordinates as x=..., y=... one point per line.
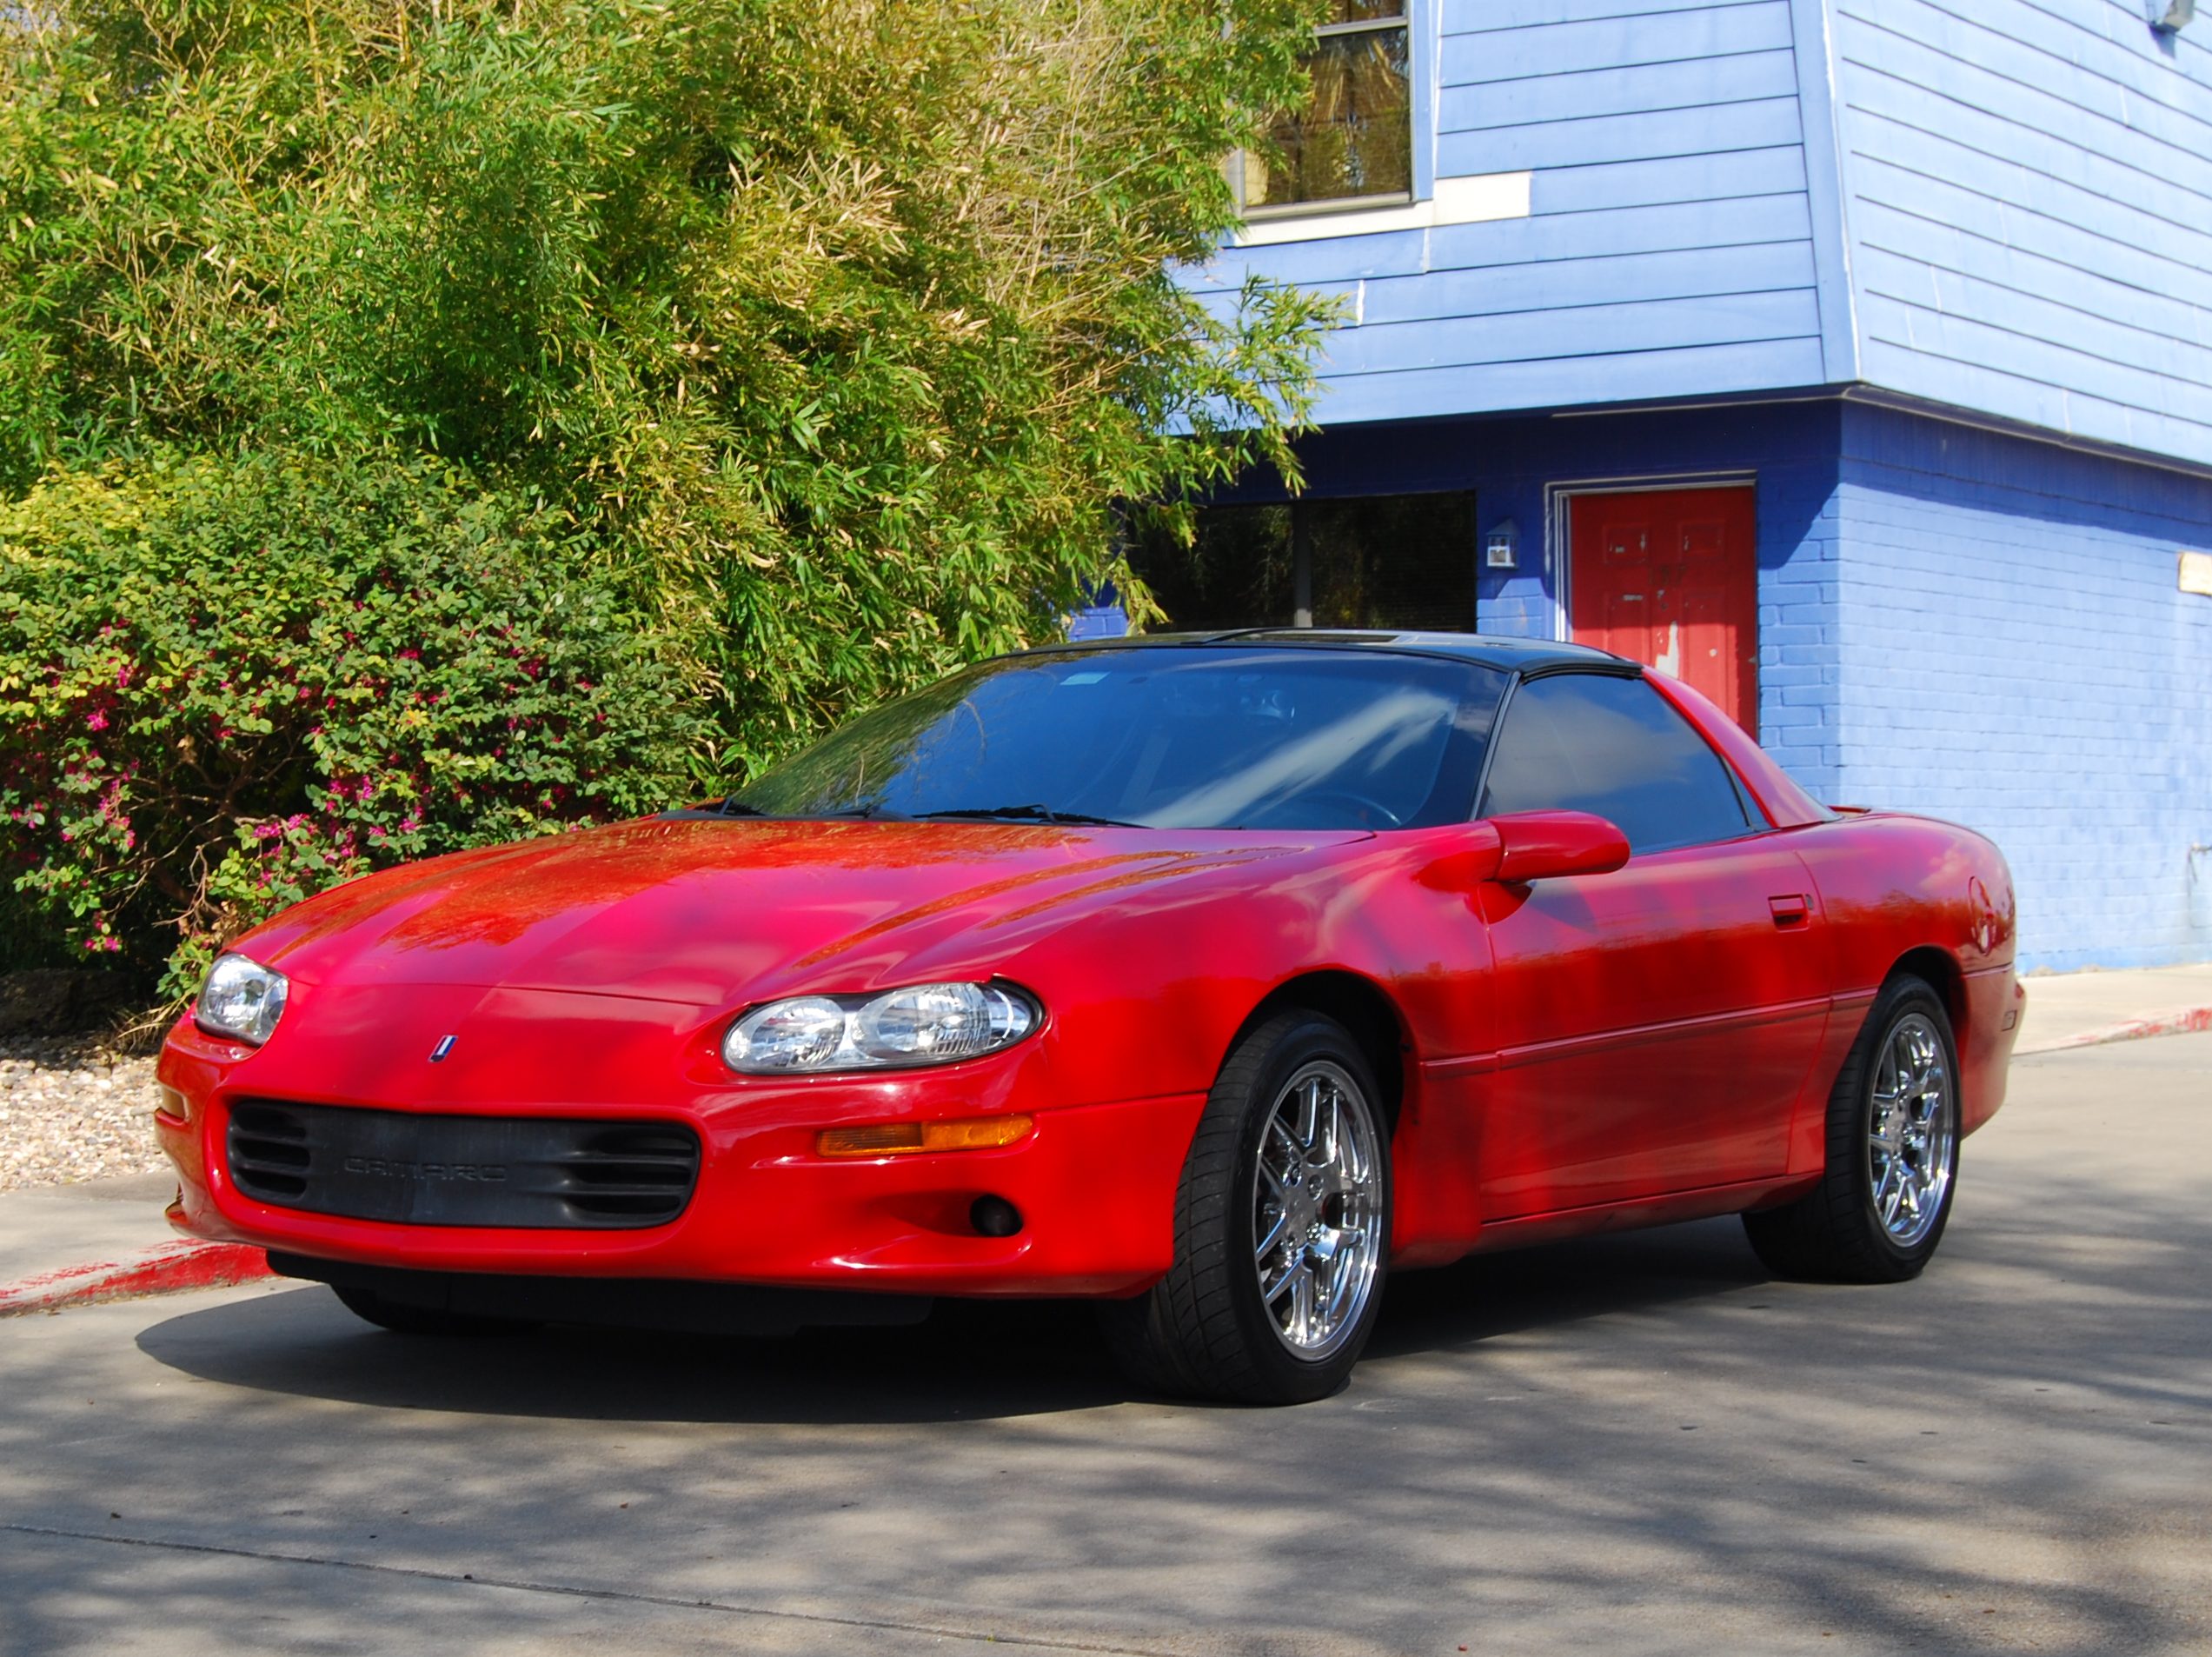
x=1791, y=910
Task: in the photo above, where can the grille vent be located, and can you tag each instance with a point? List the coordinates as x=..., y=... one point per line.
x=412, y=1170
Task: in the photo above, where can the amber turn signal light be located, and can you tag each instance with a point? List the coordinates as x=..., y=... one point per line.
x=896, y=1139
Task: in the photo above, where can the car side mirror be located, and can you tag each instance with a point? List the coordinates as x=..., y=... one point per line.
x=1545, y=845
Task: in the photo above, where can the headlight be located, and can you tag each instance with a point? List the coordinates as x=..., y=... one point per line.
x=242, y=999
x=927, y=1024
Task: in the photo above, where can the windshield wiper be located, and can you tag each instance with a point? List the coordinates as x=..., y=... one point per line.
x=733, y=807
x=1034, y=814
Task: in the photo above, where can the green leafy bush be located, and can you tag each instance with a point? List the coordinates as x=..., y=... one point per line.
x=227, y=684
x=844, y=329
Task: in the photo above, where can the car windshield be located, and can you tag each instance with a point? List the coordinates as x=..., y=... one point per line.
x=1175, y=738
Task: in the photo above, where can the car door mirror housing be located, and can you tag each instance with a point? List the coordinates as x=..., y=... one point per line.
x=1546, y=845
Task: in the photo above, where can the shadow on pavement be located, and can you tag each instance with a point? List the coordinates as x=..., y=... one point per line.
x=1635, y=1444
x=970, y=1360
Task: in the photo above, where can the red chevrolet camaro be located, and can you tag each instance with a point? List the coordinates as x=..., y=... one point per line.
x=1208, y=978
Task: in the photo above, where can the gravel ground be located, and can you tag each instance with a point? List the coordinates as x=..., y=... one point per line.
x=71, y=1111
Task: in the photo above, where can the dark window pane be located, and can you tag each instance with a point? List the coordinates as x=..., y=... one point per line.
x=1404, y=561
x=1612, y=746
x=1191, y=737
x=1386, y=561
x=1353, y=137
x=1235, y=573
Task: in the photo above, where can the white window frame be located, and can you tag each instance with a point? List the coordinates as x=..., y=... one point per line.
x=1414, y=17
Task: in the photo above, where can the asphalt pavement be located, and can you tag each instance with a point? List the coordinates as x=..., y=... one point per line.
x=1633, y=1444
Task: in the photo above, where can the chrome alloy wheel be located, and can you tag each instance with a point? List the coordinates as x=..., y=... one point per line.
x=1318, y=1210
x=1910, y=1137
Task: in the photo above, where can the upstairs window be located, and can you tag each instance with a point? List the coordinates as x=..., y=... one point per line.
x=1352, y=141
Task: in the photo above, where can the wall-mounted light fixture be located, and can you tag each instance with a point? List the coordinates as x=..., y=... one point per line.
x=2169, y=15
x=1502, y=546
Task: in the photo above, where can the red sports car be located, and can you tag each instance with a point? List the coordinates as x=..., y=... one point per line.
x=1208, y=978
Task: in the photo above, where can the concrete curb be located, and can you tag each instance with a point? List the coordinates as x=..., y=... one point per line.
x=167, y=1268
x=2188, y=1022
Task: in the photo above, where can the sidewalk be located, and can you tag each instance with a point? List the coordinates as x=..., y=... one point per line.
x=2083, y=1008
x=66, y=1245
x=69, y=1245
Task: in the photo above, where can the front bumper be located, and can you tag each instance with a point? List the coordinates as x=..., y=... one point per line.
x=1095, y=1183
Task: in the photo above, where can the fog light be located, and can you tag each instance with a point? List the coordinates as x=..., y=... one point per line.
x=993, y=1217
x=900, y=1139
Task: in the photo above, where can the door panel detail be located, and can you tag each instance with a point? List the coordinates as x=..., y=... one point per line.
x=1669, y=577
x=1663, y=1025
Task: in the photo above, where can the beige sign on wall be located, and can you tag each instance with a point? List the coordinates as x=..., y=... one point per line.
x=2196, y=573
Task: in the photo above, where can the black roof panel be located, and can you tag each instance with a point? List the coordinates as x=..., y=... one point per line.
x=1502, y=650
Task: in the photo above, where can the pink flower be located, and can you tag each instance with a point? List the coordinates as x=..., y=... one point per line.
x=96, y=720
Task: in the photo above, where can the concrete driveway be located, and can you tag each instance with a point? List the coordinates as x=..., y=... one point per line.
x=1637, y=1444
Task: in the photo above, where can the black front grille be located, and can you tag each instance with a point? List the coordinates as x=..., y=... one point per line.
x=394, y=1165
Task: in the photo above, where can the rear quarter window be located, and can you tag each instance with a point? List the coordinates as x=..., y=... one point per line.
x=1613, y=746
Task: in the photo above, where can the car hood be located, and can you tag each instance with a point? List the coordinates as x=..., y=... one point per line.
x=706, y=911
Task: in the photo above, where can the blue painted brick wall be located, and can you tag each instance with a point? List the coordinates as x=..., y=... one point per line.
x=2017, y=655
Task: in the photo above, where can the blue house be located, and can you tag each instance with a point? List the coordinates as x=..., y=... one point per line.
x=1850, y=358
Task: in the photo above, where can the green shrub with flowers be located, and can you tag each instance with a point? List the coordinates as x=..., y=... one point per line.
x=227, y=684
x=825, y=345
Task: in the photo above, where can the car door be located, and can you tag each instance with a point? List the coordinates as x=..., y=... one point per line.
x=1655, y=1024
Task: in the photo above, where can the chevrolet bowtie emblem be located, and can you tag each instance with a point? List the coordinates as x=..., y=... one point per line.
x=444, y=1047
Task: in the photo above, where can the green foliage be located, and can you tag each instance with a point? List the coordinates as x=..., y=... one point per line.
x=838, y=328
x=225, y=686
x=737, y=363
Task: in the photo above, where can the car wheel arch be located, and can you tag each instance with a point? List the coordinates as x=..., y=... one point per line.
x=1939, y=969
x=1364, y=1008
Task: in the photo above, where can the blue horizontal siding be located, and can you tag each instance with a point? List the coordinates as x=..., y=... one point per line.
x=2029, y=201
x=1669, y=250
x=2026, y=61
x=1934, y=163
x=2025, y=351
x=1343, y=258
x=1643, y=229
x=1623, y=377
x=1557, y=284
x=1962, y=230
x=1610, y=42
x=1956, y=370
x=2118, y=347
x=1585, y=330
x=1756, y=124
x=1911, y=81
x=1601, y=186
x=1491, y=15
x=1738, y=78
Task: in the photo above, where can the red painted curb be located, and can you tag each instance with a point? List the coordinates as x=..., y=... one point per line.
x=165, y=1269
x=2188, y=1022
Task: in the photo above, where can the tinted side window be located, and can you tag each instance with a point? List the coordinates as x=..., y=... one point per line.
x=1594, y=743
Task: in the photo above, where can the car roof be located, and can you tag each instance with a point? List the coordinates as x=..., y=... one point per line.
x=1504, y=652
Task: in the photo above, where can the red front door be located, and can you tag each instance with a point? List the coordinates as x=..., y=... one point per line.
x=1669, y=577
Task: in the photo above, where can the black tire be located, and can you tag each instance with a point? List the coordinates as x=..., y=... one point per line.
x=1837, y=1232
x=1206, y=1330
x=403, y=1317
